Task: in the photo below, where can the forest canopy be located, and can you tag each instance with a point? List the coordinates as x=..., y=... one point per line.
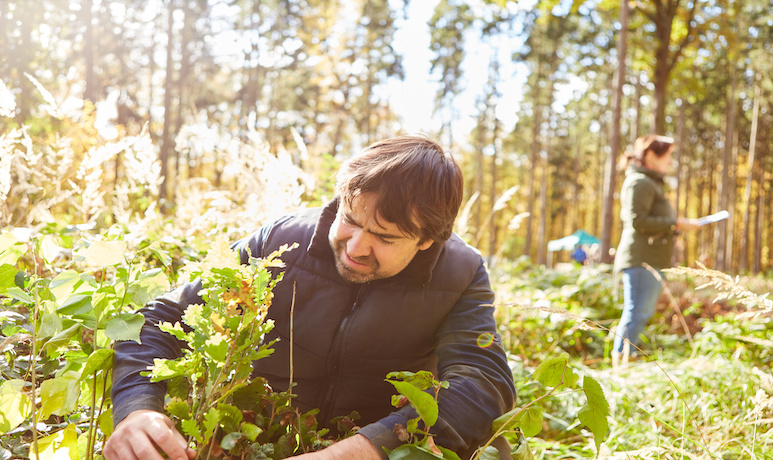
x=538, y=99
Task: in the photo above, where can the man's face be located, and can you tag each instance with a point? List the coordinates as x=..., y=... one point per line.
x=367, y=247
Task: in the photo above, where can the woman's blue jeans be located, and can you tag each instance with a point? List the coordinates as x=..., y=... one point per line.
x=641, y=289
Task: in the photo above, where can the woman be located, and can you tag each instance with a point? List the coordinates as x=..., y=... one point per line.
x=649, y=228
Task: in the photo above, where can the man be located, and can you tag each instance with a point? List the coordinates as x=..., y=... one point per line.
x=578, y=255
x=382, y=285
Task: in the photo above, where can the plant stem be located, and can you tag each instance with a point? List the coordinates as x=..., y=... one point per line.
x=33, y=361
x=292, y=315
x=102, y=401
x=90, y=445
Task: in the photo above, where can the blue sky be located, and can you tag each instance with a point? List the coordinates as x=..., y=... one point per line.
x=414, y=97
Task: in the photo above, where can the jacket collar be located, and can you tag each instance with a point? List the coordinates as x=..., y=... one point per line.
x=418, y=271
x=654, y=175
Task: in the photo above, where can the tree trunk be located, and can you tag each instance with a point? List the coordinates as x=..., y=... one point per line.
x=744, y=248
x=185, y=66
x=757, y=264
x=543, y=207
x=576, y=221
x=166, y=138
x=700, y=192
x=679, y=255
x=637, y=106
x=542, y=244
x=492, y=240
x=609, y=180
x=23, y=101
x=720, y=231
x=599, y=188
x=90, y=93
x=731, y=199
x=535, y=155
x=479, y=144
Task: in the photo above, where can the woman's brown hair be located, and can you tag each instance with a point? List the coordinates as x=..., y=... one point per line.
x=659, y=145
x=413, y=180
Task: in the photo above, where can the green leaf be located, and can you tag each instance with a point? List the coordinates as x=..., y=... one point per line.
x=10, y=249
x=411, y=452
x=211, y=422
x=7, y=277
x=20, y=295
x=490, y=453
x=529, y=420
x=76, y=305
x=59, y=396
x=178, y=408
x=594, y=414
x=448, y=454
x=60, y=445
x=106, y=422
x=553, y=371
x=65, y=284
x=191, y=428
x=126, y=327
x=99, y=360
x=161, y=255
x=216, y=347
x=15, y=405
x=150, y=285
x=105, y=253
x=176, y=330
x=101, y=300
x=230, y=440
x=423, y=402
x=63, y=338
x=50, y=325
x=48, y=248
x=230, y=417
x=164, y=369
x=422, y=380
x=250, y=431
x=521, y=451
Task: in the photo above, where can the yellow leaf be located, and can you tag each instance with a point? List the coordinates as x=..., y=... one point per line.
x=104, y=253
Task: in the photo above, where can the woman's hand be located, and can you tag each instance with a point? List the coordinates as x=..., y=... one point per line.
x=686, y=225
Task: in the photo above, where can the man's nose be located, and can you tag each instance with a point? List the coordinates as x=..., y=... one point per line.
x=358, y=245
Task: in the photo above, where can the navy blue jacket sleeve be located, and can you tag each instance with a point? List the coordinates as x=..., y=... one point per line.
x=132, y=391
x=471, y=358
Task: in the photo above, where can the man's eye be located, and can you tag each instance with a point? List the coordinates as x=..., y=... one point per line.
x=386, y=240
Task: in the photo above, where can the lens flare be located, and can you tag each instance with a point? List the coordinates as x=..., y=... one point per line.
x=485, y=340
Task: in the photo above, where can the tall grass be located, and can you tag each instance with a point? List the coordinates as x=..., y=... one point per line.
x=713, y=400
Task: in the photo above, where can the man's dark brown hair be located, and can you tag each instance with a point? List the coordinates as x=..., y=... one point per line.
x=414, y=181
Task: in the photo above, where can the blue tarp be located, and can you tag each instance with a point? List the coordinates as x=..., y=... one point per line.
x=569, y=242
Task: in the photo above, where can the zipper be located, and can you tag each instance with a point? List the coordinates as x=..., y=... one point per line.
x=336, y=359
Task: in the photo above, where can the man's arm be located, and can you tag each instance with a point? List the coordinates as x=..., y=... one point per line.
x=471, y=358
x=131, y=391
x=356, y=447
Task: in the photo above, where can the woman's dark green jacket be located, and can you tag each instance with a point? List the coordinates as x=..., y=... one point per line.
x=649, y=221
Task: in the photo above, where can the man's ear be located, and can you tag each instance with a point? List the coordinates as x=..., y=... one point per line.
x=425, y=245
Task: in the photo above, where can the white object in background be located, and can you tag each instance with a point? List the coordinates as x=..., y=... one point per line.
x=710, y=219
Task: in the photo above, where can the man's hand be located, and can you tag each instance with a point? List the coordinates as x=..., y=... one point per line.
x=356, y=447
x=142, y=435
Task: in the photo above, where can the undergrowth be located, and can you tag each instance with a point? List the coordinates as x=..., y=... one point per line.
x=706, y=397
